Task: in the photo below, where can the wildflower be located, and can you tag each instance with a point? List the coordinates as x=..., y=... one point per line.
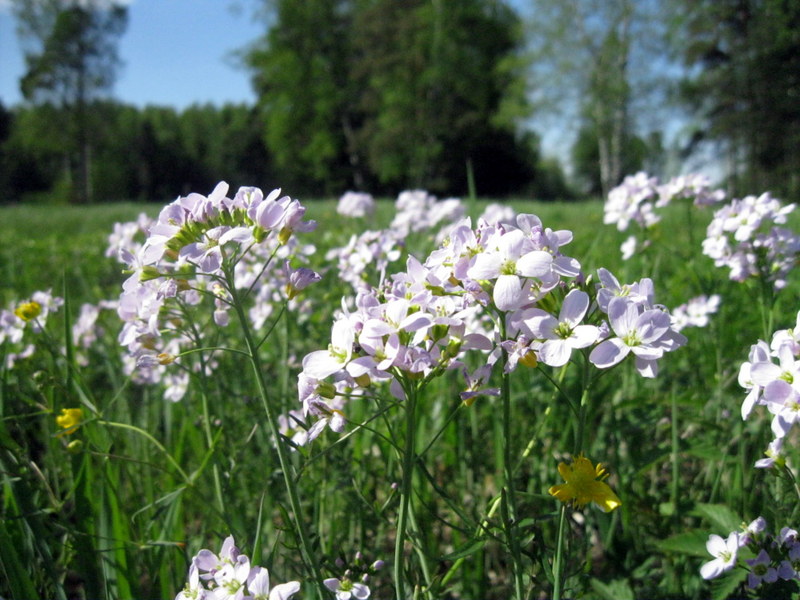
x=564, y=334
x=299, y=279
x=346, y=589
x=356, y=204
x=724, y=552
x=761, y=570
x=193, y=589
x=28, y=310
x=258, y=586
x=642, y=333
x=69, y=420
x=584, y=484
x=695, y=313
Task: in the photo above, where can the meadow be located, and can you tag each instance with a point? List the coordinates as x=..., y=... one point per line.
x=151, y=412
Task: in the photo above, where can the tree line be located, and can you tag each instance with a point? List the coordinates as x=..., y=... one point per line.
x=444, y=95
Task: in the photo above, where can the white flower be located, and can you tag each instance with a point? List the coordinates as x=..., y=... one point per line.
x=346, y=589
x=724, y=552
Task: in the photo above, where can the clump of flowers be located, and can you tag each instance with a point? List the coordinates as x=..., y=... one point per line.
x=352, y=584
x=356, y=204
x=421, y=322
x=775, y=570
x=637, y=198
x=28, y=315
x=230, y=575
x=201, y=249
x=696, y=312
x=745, y=236
x=771, y=377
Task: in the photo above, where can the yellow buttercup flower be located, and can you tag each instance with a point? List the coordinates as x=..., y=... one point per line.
x=584, y=484
x=28, y=310
x=69, y=420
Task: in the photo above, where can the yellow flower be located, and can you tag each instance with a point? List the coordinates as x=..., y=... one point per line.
x=584, y=484
x=28, y=310
x=69, y=420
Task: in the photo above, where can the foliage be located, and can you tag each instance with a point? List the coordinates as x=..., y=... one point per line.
x=386, y=96
x=72, y=60
x=743, y=60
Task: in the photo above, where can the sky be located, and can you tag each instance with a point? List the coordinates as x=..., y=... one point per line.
x=174, y=53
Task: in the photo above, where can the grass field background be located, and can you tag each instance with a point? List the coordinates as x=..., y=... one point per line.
x=121, y=513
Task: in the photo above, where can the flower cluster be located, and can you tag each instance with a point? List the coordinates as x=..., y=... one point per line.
x=229, y=575
x=744, y=236
x=422, y=321
x=771, y=377
x=356, y=204
x=30, y=315
x=352, y=585
x=417, y=210
x=636, y=199
x=777, y=557
x=366, y=254
x=695, y=312
x=189, y=256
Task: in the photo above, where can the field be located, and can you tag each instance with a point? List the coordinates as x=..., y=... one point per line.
x=137, y=432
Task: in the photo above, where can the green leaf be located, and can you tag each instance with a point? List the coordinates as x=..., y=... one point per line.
x=719, y=515
x=725, y=586
x=465, y=550
x=618, y=589
x=691, y=542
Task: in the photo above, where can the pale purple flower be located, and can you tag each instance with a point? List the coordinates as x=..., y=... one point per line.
x=639, y=332
x=761, y=570
x=564, y=334
x=695, y=313
x=774, y=455
x=477, y=384
x=193, y=590
x=258, y=587
x=512, y=258
x=299, y=279
x=356, y=204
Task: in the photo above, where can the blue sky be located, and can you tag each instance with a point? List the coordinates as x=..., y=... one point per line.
x=174, y=53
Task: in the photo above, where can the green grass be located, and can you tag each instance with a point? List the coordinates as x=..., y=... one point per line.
x=122, y=514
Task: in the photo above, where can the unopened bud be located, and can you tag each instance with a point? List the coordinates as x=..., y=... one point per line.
x=529, y=359
x=165, y=358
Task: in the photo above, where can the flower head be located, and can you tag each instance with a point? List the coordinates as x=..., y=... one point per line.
x=346, y=589
x=584, y=484
x=724, y=552
x=69, y=420
x=28, y=310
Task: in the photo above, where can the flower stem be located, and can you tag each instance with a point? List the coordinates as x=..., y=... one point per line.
x=409, y=458
x=558, y=562
x=508, y=473
x=310, y=560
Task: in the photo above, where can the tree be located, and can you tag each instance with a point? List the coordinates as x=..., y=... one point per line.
x=743, y=57
x=300, y=73
x=585, y=66
x=388, y=95
x=71, y=60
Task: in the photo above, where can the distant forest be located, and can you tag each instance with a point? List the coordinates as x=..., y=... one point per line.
x=444, y=95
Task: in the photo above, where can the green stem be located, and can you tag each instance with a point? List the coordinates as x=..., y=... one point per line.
x=508, y=474
x=310, y=560
x=558, y=563
x=409, y=458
